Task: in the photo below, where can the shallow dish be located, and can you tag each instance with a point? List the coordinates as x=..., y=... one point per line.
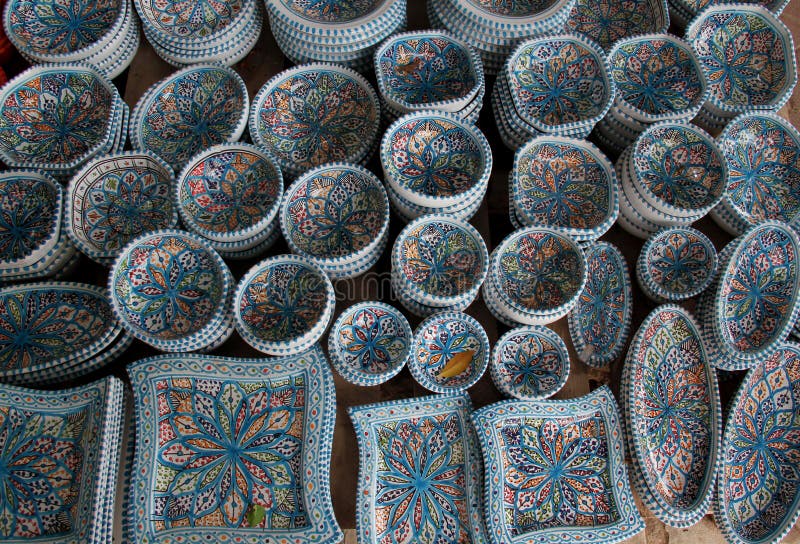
x=606, y=22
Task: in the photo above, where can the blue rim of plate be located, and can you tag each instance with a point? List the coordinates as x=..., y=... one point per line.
x=355, y=376
x=350, y=50
x=727, y=222
x=408, y=213
x=316, y=451
x=113, y=68
x=600, y=360
x=623, y=119
x=341, y=43
x=231, y=28
x=375, y=21
x=600, y=402
x=405, y=295
x=423, y=310
x=662, y=15
x=248, y=244
x=511, y=317
x=496, y=312
x=476, y=370
x=359, y=267
x=529, y=331
x=355, y=61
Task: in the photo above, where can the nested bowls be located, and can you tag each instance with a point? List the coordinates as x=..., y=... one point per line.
x=530, y=363
x=283, y=305
x=337, y=215
x=564, y=184
x=606, y=22
x=370, y=343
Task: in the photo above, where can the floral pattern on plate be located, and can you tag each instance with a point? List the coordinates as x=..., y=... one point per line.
x=29, y=214
x=189, y=20
x=327, y=11
x=680, y=262
x=513, y=8
x=530, y=363
x=608, y=21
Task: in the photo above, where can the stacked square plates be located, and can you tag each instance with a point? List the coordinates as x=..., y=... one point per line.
x=184, y=33
x=104, y=34
x=494, y=27
x=345, y=33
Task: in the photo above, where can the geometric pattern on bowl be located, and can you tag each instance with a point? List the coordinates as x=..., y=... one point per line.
x=555, y=471
x=189, y=21
x=748, y=56
x=420, y=474
x=114, y=198
x=233, y=450
x=530, y=363
x=758, y=492
x=608, y=21
x=658, y=77
x=763, y=155
x=600, y=322
x=559, y=82
x=369, y=343
x=672, y=406
x=229, y=192
x=318, y=14
x=565, y=184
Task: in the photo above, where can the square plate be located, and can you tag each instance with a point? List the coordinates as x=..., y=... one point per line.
x=555, y=471
x=420, y=471
x=234, y=450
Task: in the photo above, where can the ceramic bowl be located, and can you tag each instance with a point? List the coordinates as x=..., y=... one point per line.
x=340, y=21
x=117, y=197
x=530, y=363
x=370, y=343
x=184, y=23
x=678, y=169
x=229, y=192
x=676, y=264
x=564, y=184
x=762, y=152
x=335, y=214
x=313, y=114
x=755, y=69
x=440, y=260
x=434, y=159
x=437, y=340
x=658, y=77
x=509, y=19
x=189, y=111
x=283, y=305
x=606, y=22
x=559, y=82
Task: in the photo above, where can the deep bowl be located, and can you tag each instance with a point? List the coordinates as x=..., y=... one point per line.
x=608, y=21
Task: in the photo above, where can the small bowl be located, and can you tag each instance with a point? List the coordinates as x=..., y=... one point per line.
x=564, y=184
x=675, y=264
x=370, y=343
x=530, y=363
x=559, y=83
x=606, y=21
x=428, y=70
x=437, y=339
x=440, y=260
x=283, y=305
x=755, y=69
x=435, y=159
x=229, y=192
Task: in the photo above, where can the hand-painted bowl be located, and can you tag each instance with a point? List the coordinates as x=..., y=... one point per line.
x=440, y=260
x=184, y=22
x=564, y=184
x=530, y=363
x=283, y=305
x=675, y=264
x=229, y=192
x=337, y=20
x=335, y=214
x=437, y=340
x=370, y=343
x=658, y=77
x=428, y=70
x=117, y=197
x=559, y=82
x=762, y=151
x=748, y=56
x=435, y=159
x=313, y=114
x=608, y=21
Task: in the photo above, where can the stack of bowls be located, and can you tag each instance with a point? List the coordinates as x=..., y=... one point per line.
x=435, y=162
x=56, y=117
x=536, y=276
x=563, y=184
x=184, y=33
x=33, y=239
x=608, y=21
x=171, y=290
x=438, y=263
x=103, y=33
x=337, y=216
x=557, y=85
x=658, y=78
x=429, y=69
x=762, y=151
x=755, y=70
x=314, y=114
x=681, y=12
x=494, y=28
x=672, y=175
x=229, y=195
x=342, y=32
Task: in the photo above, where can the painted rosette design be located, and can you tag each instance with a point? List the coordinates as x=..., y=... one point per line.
x=189, y=20
x=607, y=21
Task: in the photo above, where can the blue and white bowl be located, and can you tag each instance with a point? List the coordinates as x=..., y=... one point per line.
x=606, y=22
